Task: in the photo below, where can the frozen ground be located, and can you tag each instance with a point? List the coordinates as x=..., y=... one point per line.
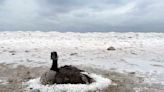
x=137, y=61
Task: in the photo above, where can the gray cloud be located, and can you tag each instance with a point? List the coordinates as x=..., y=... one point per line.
x=82, y=15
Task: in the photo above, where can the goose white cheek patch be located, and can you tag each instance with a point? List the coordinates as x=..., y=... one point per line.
x=99, y=84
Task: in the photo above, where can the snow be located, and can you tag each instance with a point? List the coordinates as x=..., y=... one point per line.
x=3, y=82
x=141, y=53
x=99, y=84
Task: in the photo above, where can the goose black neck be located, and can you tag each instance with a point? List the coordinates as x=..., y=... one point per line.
x=54, y=65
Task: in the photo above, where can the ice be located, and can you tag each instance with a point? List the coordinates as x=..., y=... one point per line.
x=135, y=52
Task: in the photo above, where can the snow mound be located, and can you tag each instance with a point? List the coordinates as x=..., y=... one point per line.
x=99, y=84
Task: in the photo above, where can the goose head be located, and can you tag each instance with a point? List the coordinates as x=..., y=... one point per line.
x=54, y=58
x=54, y=55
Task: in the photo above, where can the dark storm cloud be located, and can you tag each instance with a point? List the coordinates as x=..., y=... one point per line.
x=82, y=15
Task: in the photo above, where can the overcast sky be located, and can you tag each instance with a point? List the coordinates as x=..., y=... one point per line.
x=82, y=15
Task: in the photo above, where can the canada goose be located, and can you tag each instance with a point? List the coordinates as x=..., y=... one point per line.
x=64, y=75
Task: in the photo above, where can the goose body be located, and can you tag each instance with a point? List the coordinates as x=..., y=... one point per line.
x=64, y=75
x=48, y=77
